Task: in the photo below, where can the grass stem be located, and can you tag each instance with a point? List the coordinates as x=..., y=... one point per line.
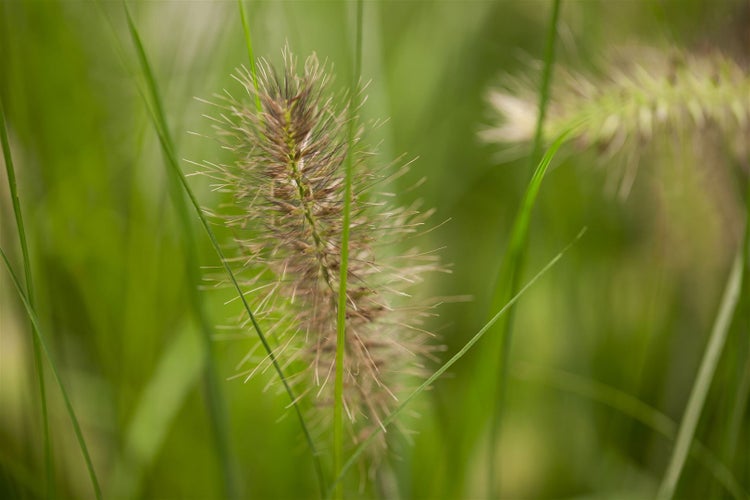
x=513, y=266
x=702, y=383
x=68, y=405
x=338, y=409
x=39, y=367
x=250, y=52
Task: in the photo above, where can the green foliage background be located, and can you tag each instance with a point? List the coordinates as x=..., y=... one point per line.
x=630, y=307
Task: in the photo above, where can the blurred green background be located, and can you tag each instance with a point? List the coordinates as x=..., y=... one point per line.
x=628, y=309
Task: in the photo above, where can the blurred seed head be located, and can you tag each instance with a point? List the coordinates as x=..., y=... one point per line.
x=642, y=94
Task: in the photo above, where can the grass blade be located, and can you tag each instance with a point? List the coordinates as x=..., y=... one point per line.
x=710, y=360
x=702, y=382
x=477, y=336
x=544, y=90
x=169, y=152
x=250, y=52
x=176, y=374
x=48, y=464
x=513, y=266
x=338, y=408
x=68, y=405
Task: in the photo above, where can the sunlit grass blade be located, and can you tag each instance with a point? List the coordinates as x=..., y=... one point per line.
x=68, y=405
x=338, y=405
x=9, y=168
x=634, y=408
x=162, y=130
x=440, y=371
x=179, y=369
x=507, y=285
x=511, y=271
x=702, y=383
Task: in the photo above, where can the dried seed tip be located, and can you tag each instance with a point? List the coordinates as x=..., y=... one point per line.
x=286, y=181
x=642, y=93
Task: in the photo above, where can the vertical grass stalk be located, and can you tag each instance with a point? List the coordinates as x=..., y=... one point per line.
x=711, y=356
x=511, y=270
x=702, y=383
x=338, y=409
x=48, y=464
x=68, y=405
x=259, y=109
x=250, y=52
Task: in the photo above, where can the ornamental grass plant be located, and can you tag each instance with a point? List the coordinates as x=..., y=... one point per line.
x=225, y=225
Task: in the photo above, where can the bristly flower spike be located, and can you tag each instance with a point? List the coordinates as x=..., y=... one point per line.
x=286, y=182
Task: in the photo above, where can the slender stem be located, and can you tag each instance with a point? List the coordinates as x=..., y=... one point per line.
x=68, y=405
x=338, y=409
x=38, y=365
x=544, y=91
x=702, y=383
x=516, y=256
x=710, y=360
x=731, y=441
x=250, y=53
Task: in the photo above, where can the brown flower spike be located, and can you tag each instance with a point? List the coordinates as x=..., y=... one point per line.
x=287, y=185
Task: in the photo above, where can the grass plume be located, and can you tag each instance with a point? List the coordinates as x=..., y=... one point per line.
x=287, y=183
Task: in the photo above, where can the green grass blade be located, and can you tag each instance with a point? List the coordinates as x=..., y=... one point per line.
x=173, y=164
x=338, y=407
x=512, y=268
x=546, y=84
x=48, y=463
x=250, y=52
x=634, y=408
x=733, y=429
x=427, y=383
x=742, y=397
x=702, y=382
x=521, y=224
x=68, y=405
x=10, y=170
x=217, y=409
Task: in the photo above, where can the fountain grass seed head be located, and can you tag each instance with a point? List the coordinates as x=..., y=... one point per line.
x=286, y=180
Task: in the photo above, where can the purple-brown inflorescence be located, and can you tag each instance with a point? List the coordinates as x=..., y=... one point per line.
x=287, y=184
